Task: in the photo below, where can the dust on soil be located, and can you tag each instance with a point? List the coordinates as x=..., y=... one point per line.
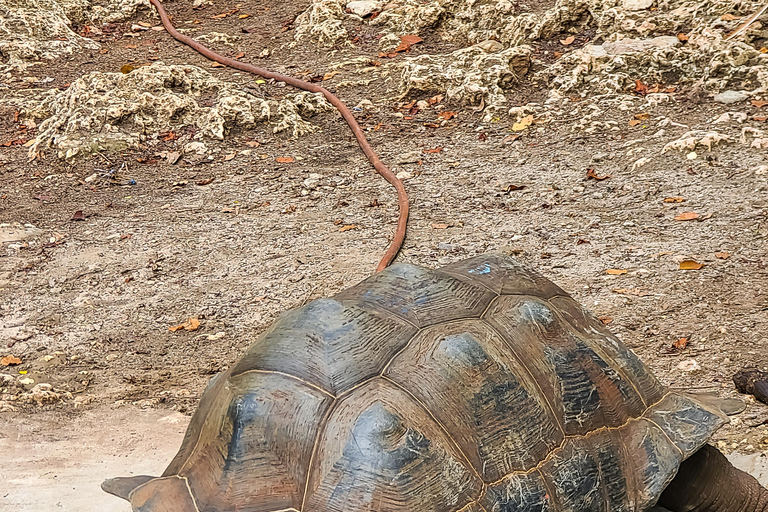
x=233, y=237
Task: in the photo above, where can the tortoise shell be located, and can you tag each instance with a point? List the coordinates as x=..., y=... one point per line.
x=480, y=386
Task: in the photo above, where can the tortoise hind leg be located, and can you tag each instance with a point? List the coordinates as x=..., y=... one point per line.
x=150, y=494
x=707, y=482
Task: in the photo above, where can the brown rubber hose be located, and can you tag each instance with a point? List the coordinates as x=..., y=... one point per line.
x=402, y=197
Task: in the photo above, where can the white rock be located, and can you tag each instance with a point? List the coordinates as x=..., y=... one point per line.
x=729, y=97
x=636, y=5
x=630, y=45
x=363, y=8
x=689, y=365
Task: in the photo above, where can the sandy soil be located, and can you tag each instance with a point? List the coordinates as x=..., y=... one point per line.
x=87, y=304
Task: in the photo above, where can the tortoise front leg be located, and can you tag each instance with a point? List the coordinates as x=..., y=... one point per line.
x=707, y=482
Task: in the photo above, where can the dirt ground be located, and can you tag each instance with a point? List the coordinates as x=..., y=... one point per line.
x=237, y=237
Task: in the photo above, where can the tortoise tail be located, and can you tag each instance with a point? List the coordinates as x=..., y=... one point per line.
x=151, y=494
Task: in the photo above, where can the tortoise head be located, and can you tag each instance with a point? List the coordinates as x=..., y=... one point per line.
x=153, y=494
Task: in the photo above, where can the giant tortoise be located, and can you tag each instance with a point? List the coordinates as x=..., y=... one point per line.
x=477, y=387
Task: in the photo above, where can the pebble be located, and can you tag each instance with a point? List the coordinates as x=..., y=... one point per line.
x=729, y=97
x=409, y=157
x=689, y=365
x=636, y=5
x=363, y=8
x=630, y=45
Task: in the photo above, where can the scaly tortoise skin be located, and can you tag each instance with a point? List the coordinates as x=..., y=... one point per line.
x=480, y=386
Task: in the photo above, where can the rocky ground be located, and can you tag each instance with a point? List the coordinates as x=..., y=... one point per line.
x=618, y=147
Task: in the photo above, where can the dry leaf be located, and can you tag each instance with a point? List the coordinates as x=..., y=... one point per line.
x=759, y=103
x=439, y=226
x=615, y=271
x=631, y=291
x=676, y=199
x=605, y=319
x=642, y=116
x=523, y=123
x=435, y=150
x=434, y=100
x=205, y=182
x=722, y=255
x=10, y=361
x=78, y=215
x=125, y=69
x=728, y=17
x=634, y=122
x=192, y=324
x=690, y=265
x=284, y=159
x=687, y=216
x=406, y=42
x=347, y=228
x=591, y=174
x=680, y=344
x=447, y=115
x=511, y=188
x=582, y=241
x=640, y=88
x=568, y=40
x=682, y=37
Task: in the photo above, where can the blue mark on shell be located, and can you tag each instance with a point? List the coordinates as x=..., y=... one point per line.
x=485, y=268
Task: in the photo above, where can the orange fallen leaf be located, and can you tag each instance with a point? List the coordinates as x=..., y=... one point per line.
x=347, y=228
x=680, y=344
x=682, y=37
x=568, y=40
x=675, y=199
x=615, y=271
x=722, y=255
x=434, y=100
x=759, y=103
x=640, y=88
x=407, y=41
x=690, y=265
x=642, y=116
x=284, y=159
x=240, y=55
x=192, y=324
x=439, y=226
x=606, y=319
x=687, y=216
x=634, y=122
x=448, y=114
x=591, y=174
x=438, y=149
x=10, y=361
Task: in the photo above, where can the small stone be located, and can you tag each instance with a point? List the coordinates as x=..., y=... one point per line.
x=363, y=8
x=630, y=45
x=408, y=158
x=637, y=5
x=689, y=365
x=729, y=97
x=490, y=45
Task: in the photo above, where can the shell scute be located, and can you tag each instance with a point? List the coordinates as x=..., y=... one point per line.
x=380, y=450
x=329, y=343
x=465, y=375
